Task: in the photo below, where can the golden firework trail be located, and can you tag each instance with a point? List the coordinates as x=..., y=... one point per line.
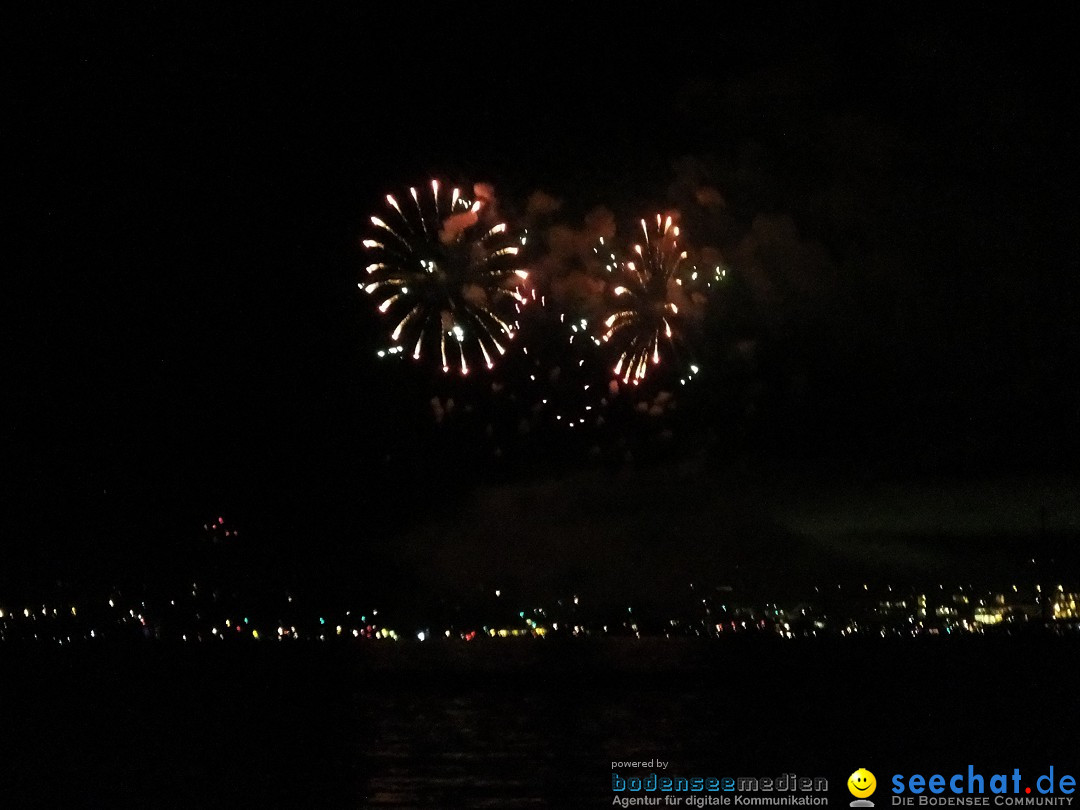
x=646, y=324
x=445, y=278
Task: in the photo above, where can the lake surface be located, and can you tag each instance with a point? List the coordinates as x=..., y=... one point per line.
x=514, y=725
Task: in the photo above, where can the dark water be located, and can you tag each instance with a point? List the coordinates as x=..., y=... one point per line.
x=514, y=726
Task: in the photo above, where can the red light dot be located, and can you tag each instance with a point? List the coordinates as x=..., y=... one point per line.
x=1027, y=790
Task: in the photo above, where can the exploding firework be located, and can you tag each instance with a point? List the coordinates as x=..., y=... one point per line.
x=445, y=276
x=650, y=320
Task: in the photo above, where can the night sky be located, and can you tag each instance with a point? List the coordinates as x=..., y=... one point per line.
x=184, y=338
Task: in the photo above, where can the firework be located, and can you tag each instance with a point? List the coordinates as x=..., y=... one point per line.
x=650, y=318
x=445, y=277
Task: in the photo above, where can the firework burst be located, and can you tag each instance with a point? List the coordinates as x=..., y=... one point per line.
x=445, y=277
x=650, y=318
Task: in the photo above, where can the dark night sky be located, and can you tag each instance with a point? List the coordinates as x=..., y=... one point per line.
x=182, y=331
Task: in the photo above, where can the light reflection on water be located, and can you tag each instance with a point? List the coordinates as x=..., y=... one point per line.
x=163, y=727
x=501, y=748
x=550, y=742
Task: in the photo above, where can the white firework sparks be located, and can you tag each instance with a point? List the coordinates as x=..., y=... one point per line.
x=445, y=279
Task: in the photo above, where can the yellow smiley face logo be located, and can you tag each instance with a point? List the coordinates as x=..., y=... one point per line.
x=861, y=783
